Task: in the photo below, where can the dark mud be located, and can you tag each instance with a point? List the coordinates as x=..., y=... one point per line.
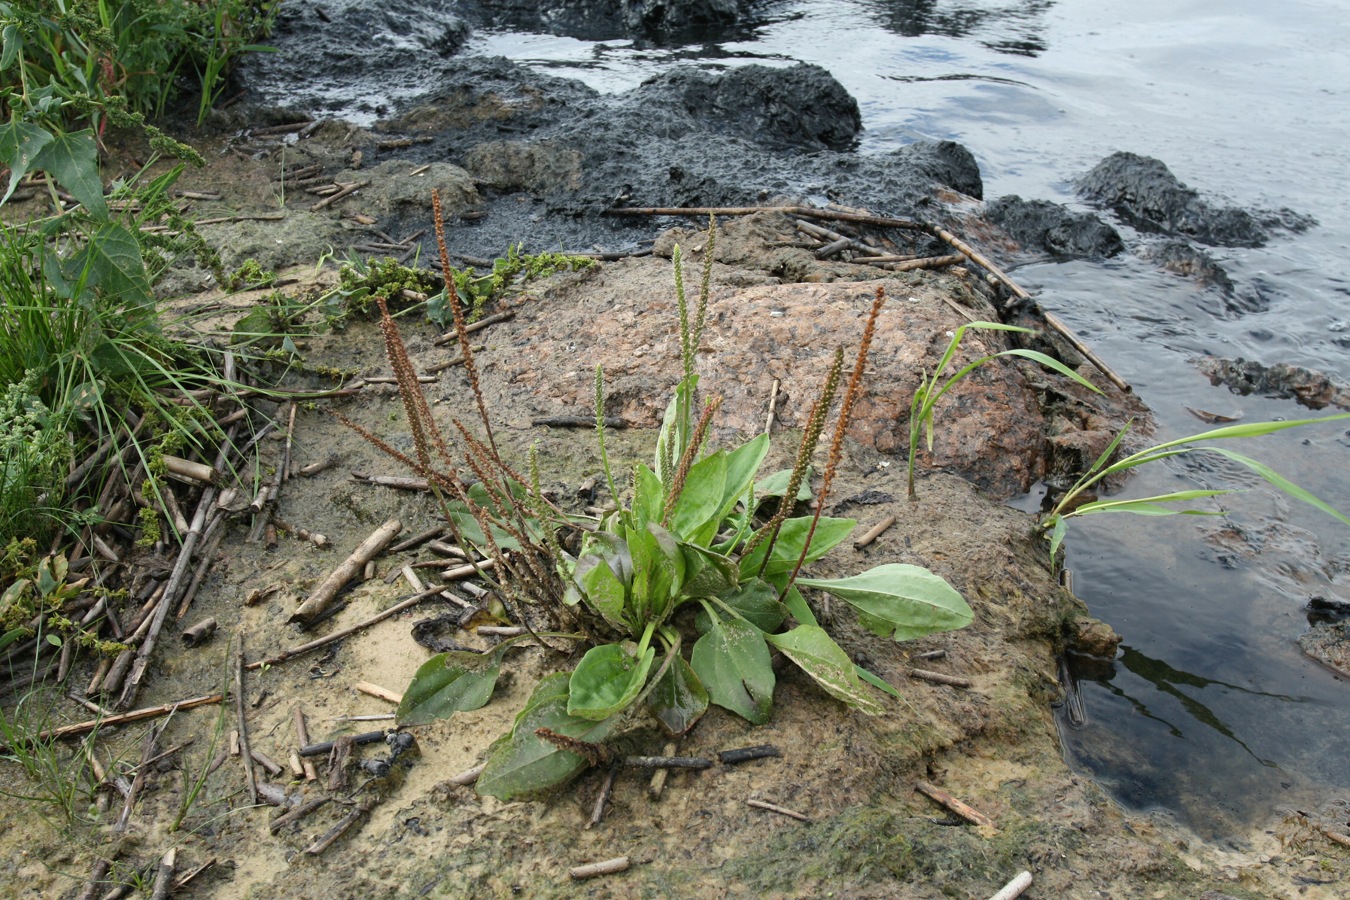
x=1314, y=390
x=604, y=20
x=1050, y=227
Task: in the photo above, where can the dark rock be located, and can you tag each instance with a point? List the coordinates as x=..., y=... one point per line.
x=1145, y=193
x=1329, y=644
x=801, y=107
x=561, y=154
x=1312, y=389
x=1042, y=225
x=1182, y=258
x=599, y=20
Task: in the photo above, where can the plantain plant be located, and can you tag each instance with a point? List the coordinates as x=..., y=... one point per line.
x=681, y=594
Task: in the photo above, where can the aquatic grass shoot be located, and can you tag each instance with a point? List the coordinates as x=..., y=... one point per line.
x=1055, y=524
x=932, y=387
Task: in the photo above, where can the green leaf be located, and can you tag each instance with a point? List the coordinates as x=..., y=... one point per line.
x=910, y=601
x=523, y=763
x=1051, y=363
x=658, y=572
x=20, y=144
x=72, y=159
x=791, y=538
x=1284, y=484
x=671, y=440
x=1059, y=527
x=649, y=496
x=742, y=465
x=1150, y=506
x=816, y=654
x=11, y=44
x=796, y=604
x=450, y=682
x=695, y=518
x=607, y=681
x=111, y=261
x=877, y=681
x=776, y=484
x=707, y=573
x=605, y=594
x=757, y=602
x=679, y=699
x=733, y=663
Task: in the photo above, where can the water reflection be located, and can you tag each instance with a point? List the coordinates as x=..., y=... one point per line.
x=1017, y=28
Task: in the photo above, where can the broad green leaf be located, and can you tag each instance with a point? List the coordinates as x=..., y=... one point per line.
x=707, y=573
x=605, y=593
x=757, y=602
x=742, y=465
x=679, y=699
x=695, y=517
x=11, y=43
x=776, y=484
x=658, y=572
x=447, y=683
x=733, y=663
x=606, y=681
x=111, y=261
x=816, y=654
x=910, y=600
x=72, y=159
x=649, y=496
x=20, y=144
x=671, y=440
x=791, y=538
x=523, y=763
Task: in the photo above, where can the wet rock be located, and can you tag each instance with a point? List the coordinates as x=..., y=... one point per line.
x=1145, y=193
x=599, y=20
x=801, y=107
x=1314, y=390
x=558, y=155
x=1329, y=644
x=1095, y=638
x=1181, y=258
x=1042, y=225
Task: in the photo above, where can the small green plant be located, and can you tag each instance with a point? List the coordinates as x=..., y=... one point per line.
x=480, y=290
x=932, y=387
x=690, y=538
x=1056, y=523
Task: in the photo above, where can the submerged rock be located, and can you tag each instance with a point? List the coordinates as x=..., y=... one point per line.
x=1314, y=390
x=1145, y=193
x=1042, y=225
x=1181, y=258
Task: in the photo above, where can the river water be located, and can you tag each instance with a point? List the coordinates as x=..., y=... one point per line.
x=1210, y=713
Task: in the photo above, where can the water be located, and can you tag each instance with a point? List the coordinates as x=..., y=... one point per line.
x=1211, y=712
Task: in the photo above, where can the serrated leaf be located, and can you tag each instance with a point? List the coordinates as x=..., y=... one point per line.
x=72, y=159
x=607, y=681
x=20, y=144
x=523, y=763
x=111, y=261
x=910, y=600
x=816, y=654
x=733, y=663
x=450, y=682
x=679, y=699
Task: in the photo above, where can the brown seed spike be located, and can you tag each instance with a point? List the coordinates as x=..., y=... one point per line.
x=594, y=754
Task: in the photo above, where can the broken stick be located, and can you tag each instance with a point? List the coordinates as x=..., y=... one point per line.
x=324, y=595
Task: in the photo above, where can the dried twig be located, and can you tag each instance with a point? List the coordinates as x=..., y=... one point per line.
x=946, y=800
x=606, y=867
x=244, y=752
x=781, y=810
x=345, y=632
x=1014, y=888
x=324, y=595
